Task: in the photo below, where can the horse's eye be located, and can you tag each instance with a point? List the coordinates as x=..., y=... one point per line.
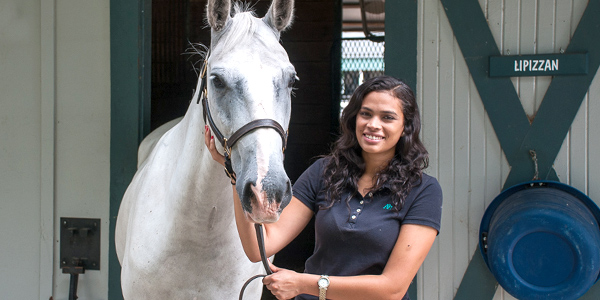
x=292, y=81
x=217, y=82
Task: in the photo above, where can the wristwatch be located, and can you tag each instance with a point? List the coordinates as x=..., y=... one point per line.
x=323, y=285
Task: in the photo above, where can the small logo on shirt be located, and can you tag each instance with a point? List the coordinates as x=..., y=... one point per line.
x=388, y=206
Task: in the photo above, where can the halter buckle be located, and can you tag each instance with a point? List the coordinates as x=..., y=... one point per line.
x=229, y=169
x=227, y=148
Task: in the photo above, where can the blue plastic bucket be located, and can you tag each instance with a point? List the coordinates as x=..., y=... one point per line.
x=541, y=240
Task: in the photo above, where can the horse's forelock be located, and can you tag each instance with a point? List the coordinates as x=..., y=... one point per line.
x=240, y=28
x=240, y=7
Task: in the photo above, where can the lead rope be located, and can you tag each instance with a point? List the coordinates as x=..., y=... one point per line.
x=263, y=258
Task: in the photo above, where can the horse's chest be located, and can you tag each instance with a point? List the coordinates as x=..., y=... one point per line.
x=183, y=265
x=162, y=238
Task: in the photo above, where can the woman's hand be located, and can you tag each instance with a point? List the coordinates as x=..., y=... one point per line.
x=283, y=283
x=209, y=140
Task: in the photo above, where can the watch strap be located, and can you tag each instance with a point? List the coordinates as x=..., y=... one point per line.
x=322, y=293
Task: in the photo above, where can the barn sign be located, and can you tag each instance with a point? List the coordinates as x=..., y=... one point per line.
x=539, y=65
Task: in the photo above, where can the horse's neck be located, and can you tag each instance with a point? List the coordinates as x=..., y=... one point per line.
x=197, y=195
x=194, y=175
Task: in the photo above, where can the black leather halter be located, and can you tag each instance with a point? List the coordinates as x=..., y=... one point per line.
x=228, y=143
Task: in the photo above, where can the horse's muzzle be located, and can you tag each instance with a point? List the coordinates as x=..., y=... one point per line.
x=264, y=202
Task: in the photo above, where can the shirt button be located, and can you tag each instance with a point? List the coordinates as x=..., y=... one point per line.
x=361, y=202
x=358, y=210
x=353, y=217
x=370, y=194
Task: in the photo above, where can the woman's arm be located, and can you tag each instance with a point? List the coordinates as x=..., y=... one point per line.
x=410, y=250
x=277, y=235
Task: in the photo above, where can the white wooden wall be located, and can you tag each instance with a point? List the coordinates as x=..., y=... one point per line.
x=54, y=140
x=466, y=156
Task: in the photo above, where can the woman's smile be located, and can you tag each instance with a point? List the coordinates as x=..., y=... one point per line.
x=373, y=137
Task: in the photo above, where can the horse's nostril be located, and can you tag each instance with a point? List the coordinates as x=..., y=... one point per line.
x=286, y=194
x=248, y=197
x=288, y=190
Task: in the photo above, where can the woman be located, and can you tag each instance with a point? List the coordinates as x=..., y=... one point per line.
x=376, y=213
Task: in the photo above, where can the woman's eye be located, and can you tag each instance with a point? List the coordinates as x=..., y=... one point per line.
x=217, y=82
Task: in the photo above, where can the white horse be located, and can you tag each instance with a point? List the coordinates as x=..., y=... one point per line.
x=176, y=236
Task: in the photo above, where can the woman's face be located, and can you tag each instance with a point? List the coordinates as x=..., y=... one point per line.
x=379, y=124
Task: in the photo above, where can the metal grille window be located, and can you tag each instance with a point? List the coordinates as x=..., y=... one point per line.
x=361, y=59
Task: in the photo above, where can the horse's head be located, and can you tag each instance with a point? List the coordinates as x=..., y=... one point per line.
x=250, y=77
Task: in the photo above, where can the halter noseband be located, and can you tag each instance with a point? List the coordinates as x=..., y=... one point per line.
x=228, y=143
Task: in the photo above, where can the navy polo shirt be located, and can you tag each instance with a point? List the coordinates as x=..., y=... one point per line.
x=357, y=238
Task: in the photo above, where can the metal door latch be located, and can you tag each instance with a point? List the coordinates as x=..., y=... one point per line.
x=79, y=248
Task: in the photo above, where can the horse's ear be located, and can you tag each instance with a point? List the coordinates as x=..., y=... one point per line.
x=280, y=14
x=217, y=13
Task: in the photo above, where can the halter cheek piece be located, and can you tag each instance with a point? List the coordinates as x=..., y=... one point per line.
x=228, y=143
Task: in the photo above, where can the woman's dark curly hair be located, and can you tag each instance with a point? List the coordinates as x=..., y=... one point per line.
x=345, y=164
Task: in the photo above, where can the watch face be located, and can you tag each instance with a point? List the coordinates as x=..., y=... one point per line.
x=323, y=282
